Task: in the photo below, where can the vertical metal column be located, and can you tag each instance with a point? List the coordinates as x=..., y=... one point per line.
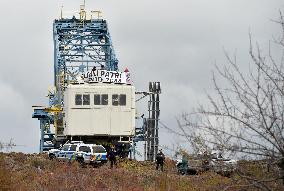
x=152, y=130
x=42, y=129
x=145, y=125
x=148, y=131
x=153, y=125
x=157, y=115
x=45, y=134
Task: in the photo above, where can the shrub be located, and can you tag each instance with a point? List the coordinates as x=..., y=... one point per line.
x=5, y=176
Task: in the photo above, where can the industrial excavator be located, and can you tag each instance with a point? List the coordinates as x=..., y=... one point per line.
x=92, y=100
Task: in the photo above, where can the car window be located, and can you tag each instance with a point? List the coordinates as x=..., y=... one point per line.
x=85, y=149
x=65, y=147
x=98, y=149
x=73, y=148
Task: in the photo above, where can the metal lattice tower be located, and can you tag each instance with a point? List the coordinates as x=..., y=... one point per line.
x=149, y=132
x=80, y=45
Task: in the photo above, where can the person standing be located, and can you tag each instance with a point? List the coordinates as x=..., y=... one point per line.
x=112, y=157
x=160, y=159
x=281, y=166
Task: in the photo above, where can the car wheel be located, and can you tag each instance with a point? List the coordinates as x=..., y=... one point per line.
x=51, y=156
x=80, y=161
x=182, y=172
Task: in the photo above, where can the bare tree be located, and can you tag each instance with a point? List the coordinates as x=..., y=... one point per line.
x=7, y=146
x=247, y=113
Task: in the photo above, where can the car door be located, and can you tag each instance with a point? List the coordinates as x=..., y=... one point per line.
x=62, y=153
x=99, y=153
x=85, y=150
x=71, y=154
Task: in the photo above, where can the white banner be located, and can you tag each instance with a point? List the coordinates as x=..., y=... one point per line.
x=105, y=76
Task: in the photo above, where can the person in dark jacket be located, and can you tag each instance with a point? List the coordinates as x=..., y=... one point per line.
x=112, y=157
x=160, y=159
x=281, y=166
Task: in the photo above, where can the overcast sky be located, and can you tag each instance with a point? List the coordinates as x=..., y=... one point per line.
x=176, y=42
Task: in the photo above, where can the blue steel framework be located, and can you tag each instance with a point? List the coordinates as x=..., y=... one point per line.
x=46, y=136
x=79, y=46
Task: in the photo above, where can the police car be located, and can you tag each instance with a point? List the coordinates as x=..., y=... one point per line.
x=81, y=152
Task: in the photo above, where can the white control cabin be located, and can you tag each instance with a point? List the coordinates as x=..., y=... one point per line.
x=99, y=109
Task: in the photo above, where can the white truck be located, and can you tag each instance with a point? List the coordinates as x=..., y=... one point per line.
x=81, y=152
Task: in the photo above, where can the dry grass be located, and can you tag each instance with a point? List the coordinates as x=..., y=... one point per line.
x=36, y=172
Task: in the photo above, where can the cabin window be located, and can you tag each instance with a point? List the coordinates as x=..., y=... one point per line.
x=104, y=99
x=97, y=99
x=101, y=99
x=118, y=99
x=86, y=99
x=78, y=99
x=115, y=100
x=122, y=99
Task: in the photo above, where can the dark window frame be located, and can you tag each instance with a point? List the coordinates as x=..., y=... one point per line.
x=115, y=99
x=119, y=99
x=99, y=149
x=97, y=99
x=65, y=147
x=71, y=148
x=100, y=99
x=86, y=99
x=104, y=99
x=83, y=150
x=78, y=101
x=122, y=99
